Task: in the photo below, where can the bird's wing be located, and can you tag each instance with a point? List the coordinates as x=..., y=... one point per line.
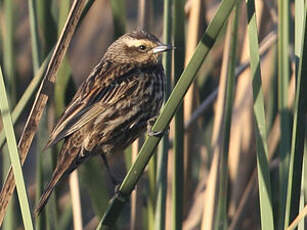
x=91, y=99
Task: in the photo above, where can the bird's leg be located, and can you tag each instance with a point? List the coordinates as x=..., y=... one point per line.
x=106, y=163
x=152, y=133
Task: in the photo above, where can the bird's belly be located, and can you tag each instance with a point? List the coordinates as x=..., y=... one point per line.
x=122, y=131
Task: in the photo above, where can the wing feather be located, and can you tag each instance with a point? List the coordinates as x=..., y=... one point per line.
x=91, y=99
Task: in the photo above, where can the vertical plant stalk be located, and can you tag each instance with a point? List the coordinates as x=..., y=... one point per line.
x=267, y=221
x=36, y=56
x=46, y=24
x=145, y=16
x=242, y=153
x=213, y=216
x=298, y=132
x=221, y=220
x=136, y=218
x=178, y=173
x=211, y=208
x=151, y=197
x=41, y=99
x=189, y=74
x=299, y=29
x=273, y=139
x=190, y=101
x=10, y=77
x=14, y=157
x=118, y=12
x=75, y=200
x=162, y=161
x=36, y=62
x=8, y=50
x=283, y=79
x=60, y=92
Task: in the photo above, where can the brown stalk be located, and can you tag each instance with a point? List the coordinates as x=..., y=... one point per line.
x=190, y=100
x=144, y=16
x=212, y=190
x=299, y=218
x=75, y=200
x=241, y=143
x=136, y=207
x=195, y=213
x=41, y=99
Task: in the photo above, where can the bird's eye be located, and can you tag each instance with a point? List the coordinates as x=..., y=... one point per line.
x=142, y=47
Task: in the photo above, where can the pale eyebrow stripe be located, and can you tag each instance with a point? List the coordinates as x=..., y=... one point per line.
x=135, y=43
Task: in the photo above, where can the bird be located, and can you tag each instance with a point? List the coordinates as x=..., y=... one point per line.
x=120, y=99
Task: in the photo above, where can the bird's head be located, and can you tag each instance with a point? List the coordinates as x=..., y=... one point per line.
x=137, y=47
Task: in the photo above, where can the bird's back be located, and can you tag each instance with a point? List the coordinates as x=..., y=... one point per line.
x=134, y=100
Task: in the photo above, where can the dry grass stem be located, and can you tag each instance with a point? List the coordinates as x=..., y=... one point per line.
x=190, y=99
x=212, y=189
x=299, y=218
x=41, y=100
x=75, y=200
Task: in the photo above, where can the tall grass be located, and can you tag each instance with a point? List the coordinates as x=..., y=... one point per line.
x=14, y=158
x=283, y=79
x=266, y=209
x=178, y=139
x=10, y=76
x=242, y=164
x=162, y=161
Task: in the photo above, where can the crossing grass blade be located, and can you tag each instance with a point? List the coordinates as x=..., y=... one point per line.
x=18, y=109
x=298, y=132
x=14, y=156
x=9, y=64
x=283, y=80
x=221, y=217
x=266, y=212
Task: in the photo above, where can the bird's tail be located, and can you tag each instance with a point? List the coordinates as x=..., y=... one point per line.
x=47, y=192
x=65, y=165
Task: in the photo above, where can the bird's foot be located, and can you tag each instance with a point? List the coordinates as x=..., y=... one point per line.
x=159, y=134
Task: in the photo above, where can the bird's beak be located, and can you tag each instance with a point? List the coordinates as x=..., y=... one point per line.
x=161, y=48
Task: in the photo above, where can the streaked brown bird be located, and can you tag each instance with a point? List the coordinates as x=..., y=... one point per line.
x=118, y=101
